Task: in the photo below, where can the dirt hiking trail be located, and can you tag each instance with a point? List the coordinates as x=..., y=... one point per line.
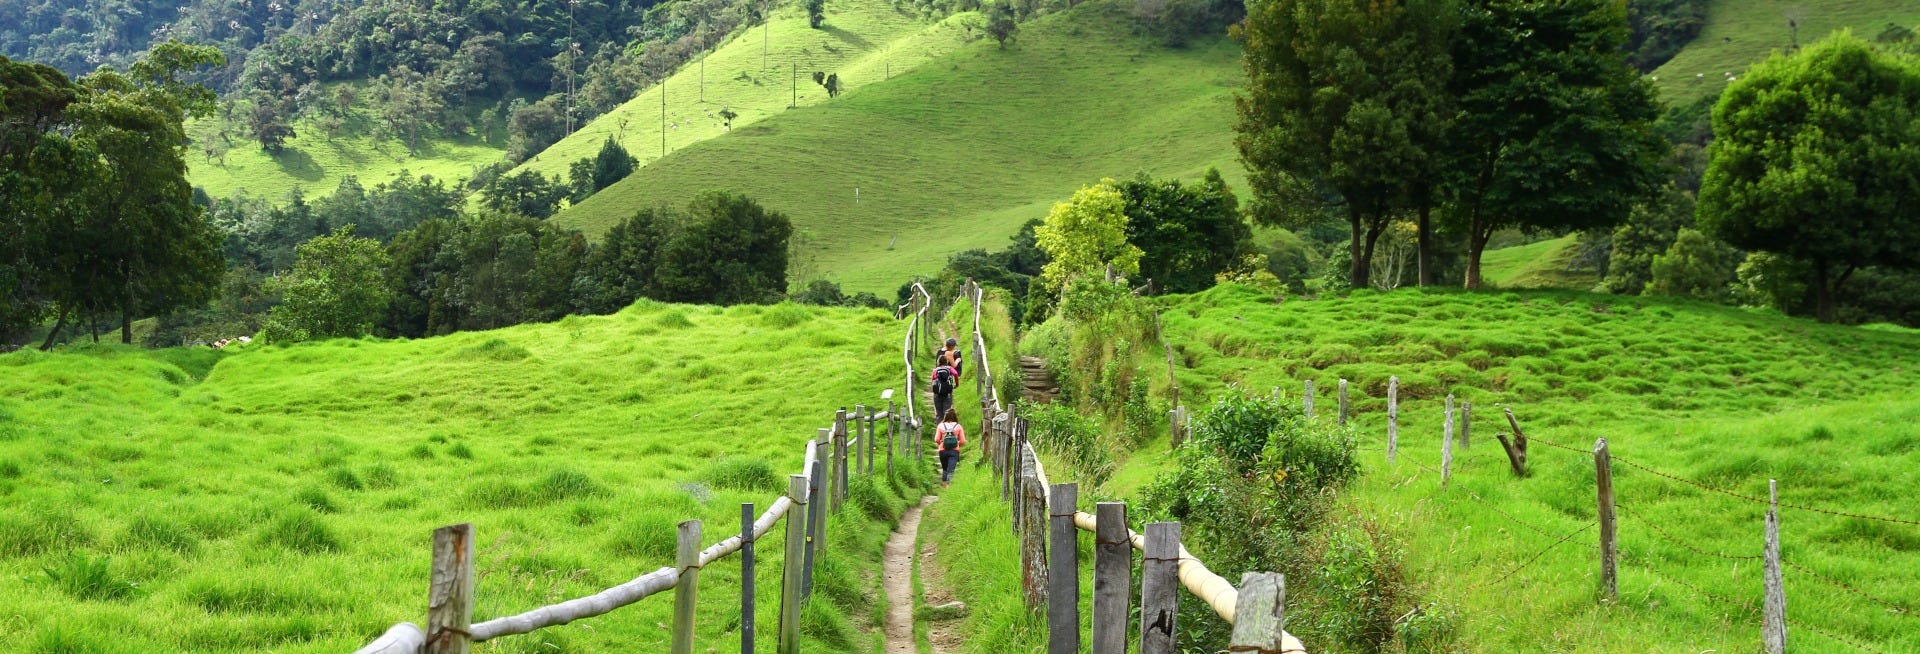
x=899, y=580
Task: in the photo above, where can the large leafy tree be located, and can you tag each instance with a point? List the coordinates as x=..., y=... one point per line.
x=1186, y=233
x=729, y=250
x=527, y=193
x=1554, y=131
x=1814, y=158
x=41, y=175
x=337, y=288
x=1086, y=236
x=1344, y=110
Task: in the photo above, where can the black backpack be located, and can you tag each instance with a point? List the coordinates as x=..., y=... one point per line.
x=942, y=380
x=949, y=440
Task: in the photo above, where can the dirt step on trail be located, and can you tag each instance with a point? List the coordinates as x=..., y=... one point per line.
x=899, y=580
x=1040, y=384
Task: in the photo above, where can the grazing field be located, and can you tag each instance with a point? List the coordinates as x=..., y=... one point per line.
x=281, y=499
x=1740, y=33
x=959, y=152
x=1537, y=265
x=315, y=165
x=1726, y=397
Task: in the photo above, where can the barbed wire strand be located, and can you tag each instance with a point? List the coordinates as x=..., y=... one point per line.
x=1703, y=486
x=1536, y=557
x=1856, y=645
x=1892, y=607
x=1676, y=541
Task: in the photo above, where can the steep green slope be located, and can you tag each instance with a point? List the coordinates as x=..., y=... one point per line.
x=863, y=42
x=280, y=499
x=1728, y=397
x=961, y=151
x=1740, y=33
x=1537, y=265
x=314, y=164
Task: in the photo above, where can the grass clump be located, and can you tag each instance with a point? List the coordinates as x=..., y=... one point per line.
x=88, y=578
x=747, y=474
x=151, y=532
x=299, y=531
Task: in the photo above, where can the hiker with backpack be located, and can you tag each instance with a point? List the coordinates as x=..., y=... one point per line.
x=946, y=377
x=950, y=437
x=950, y=356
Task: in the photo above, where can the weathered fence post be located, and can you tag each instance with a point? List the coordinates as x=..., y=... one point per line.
x=450, y=597
x=746, y=578
x=1603, y=480
x=1393, y=416
x=1466, y=424
x=1259, y=614
x=1033, y=534
x=1112, y=577
x=1063, y=570
x=1446, y=445
x=1517, y=448
x=893, y=423
x=816, y=515
x=1308, y=399
x=793, y=568
x=860, y=441
x=839, y=473
x=1774, y=624
x=873, y=435
x=1343, y=402
x=1160, y=588
x=687, y=559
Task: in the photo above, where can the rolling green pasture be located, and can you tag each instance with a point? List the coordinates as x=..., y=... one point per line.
x=1536, y=265
x=315, y=165
x=1724, y=396
x=1740, y=33
x=959, y=152
x=281, y=499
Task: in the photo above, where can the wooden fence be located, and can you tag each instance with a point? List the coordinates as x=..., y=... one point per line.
x=1045, y=517
x=850, y=447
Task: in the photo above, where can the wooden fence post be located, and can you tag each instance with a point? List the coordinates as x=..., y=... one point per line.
x=860, y=441
x=746, y=578
x=1112, y=577
x=1033, y=535
x=1516, y=448
x=1446, y=445
x=450, y=598
x=793, y=568
x=1774, y=626
x=1308, y=399
x=893, y=422
x=1063, y=570
x=687, y=559
x=1603, y=480
x=1160, y=588
x=1393, y=416
x=1343, y=402
x=839, y=472
x=1259, y=614
x=871, y=441
x=1466, y=424
x=816, y=515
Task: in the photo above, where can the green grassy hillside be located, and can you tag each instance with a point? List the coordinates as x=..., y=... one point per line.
x=863, y=42
x=315, y=165
x=1740, y=33
x=961, y=151
x=1536, y=265
x=1725, y=396
x=281, y=499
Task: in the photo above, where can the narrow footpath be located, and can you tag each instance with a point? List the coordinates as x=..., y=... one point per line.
x=899, y=580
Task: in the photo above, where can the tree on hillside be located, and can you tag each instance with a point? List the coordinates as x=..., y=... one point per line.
x=1344, y=110
x=337, y=288
x=589, y=175
x=729, y=250
x=1187, y=233
x=527, y=193
x=1086, y=236
x=42, y=175
x=1696, y=266
x=409, y=101
x=1814, y=160
x=1000, y=22
x=816, y=13
x=1554, y=131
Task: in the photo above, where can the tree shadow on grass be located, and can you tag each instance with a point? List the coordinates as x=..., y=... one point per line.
x=299, y=165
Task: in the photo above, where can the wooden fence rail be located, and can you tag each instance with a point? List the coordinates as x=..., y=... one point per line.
x=847, y=448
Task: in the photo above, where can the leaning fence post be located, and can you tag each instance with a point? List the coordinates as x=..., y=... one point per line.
x=793, y=570
x=746, y=578
x=450, y=598
x=1160, y=588
x=1259, y=614
x=1112, y=577
x=1516, y=448
x=1393, y=416
x=687, y=559
x=1775, y=622
x=1173, y=427
x=1063, y=570
x=1343, y=402
x=1603, y=480
x=1446, y=445
x=1308, y=399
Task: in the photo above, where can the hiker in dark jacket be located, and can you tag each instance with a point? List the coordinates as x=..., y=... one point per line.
x=949, y=437
x=945, y=379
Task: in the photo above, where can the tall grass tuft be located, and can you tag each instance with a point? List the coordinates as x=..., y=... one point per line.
x=84, y=577
x=300, y=530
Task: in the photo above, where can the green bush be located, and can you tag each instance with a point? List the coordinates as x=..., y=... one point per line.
x=1080, y=441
